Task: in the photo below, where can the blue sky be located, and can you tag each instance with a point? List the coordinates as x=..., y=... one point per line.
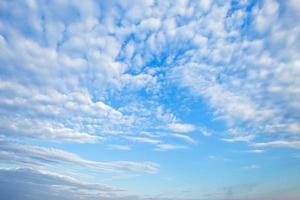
x=150, y=99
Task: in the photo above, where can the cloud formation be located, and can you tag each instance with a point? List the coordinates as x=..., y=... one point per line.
x=37, y=156
x=29, y=184
x=94, y=59
x=130, y=74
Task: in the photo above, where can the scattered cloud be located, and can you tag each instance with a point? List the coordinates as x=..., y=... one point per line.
x=45, y=130
x=256, y=151
x=30, y=184
x=279, y=143
x=143, y=140
x=132, y=53
x=185, y=138
x=36, y=156
x=168, y=147
x=122, y=74
x=246, y=138
x=181, y=128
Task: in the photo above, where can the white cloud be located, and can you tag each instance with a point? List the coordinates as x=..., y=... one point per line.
x=143, y=140
x=168, y=147
x=205, y=131
x=68, y=69
x=233, y=76
x=82, y=72
x=37, y=156
x=181, y=128
x=205, y=4
x=266, y=16
x=279, y=143
x=35, y=184
x=256, y=151
x=150, y=24
x=243, y=138
x=40, y=129
x=185, y=138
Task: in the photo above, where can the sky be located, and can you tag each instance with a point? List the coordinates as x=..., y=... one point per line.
x=150, y=99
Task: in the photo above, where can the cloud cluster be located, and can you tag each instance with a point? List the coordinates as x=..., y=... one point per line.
x=241, y=71
x=74, y=72
x=83, y=71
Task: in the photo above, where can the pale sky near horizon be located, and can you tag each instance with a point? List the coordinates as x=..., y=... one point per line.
x=150, y=99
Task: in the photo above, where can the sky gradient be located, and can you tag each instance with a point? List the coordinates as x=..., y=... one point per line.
x=150, y=100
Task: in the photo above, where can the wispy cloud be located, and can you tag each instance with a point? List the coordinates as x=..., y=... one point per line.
x=168, y=147
x=279, y=143
x=185, y=138
x=256, y=151
x=143, y=140
x=246, y=138
x=119, y=147
x=35, y=184
x=36, y=156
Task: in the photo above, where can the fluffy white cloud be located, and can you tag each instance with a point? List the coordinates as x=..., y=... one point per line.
x=113, y=70
x=181, y=128
x=45, y=130
x=78, y=63
x=247, y=80
x=266, y=16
